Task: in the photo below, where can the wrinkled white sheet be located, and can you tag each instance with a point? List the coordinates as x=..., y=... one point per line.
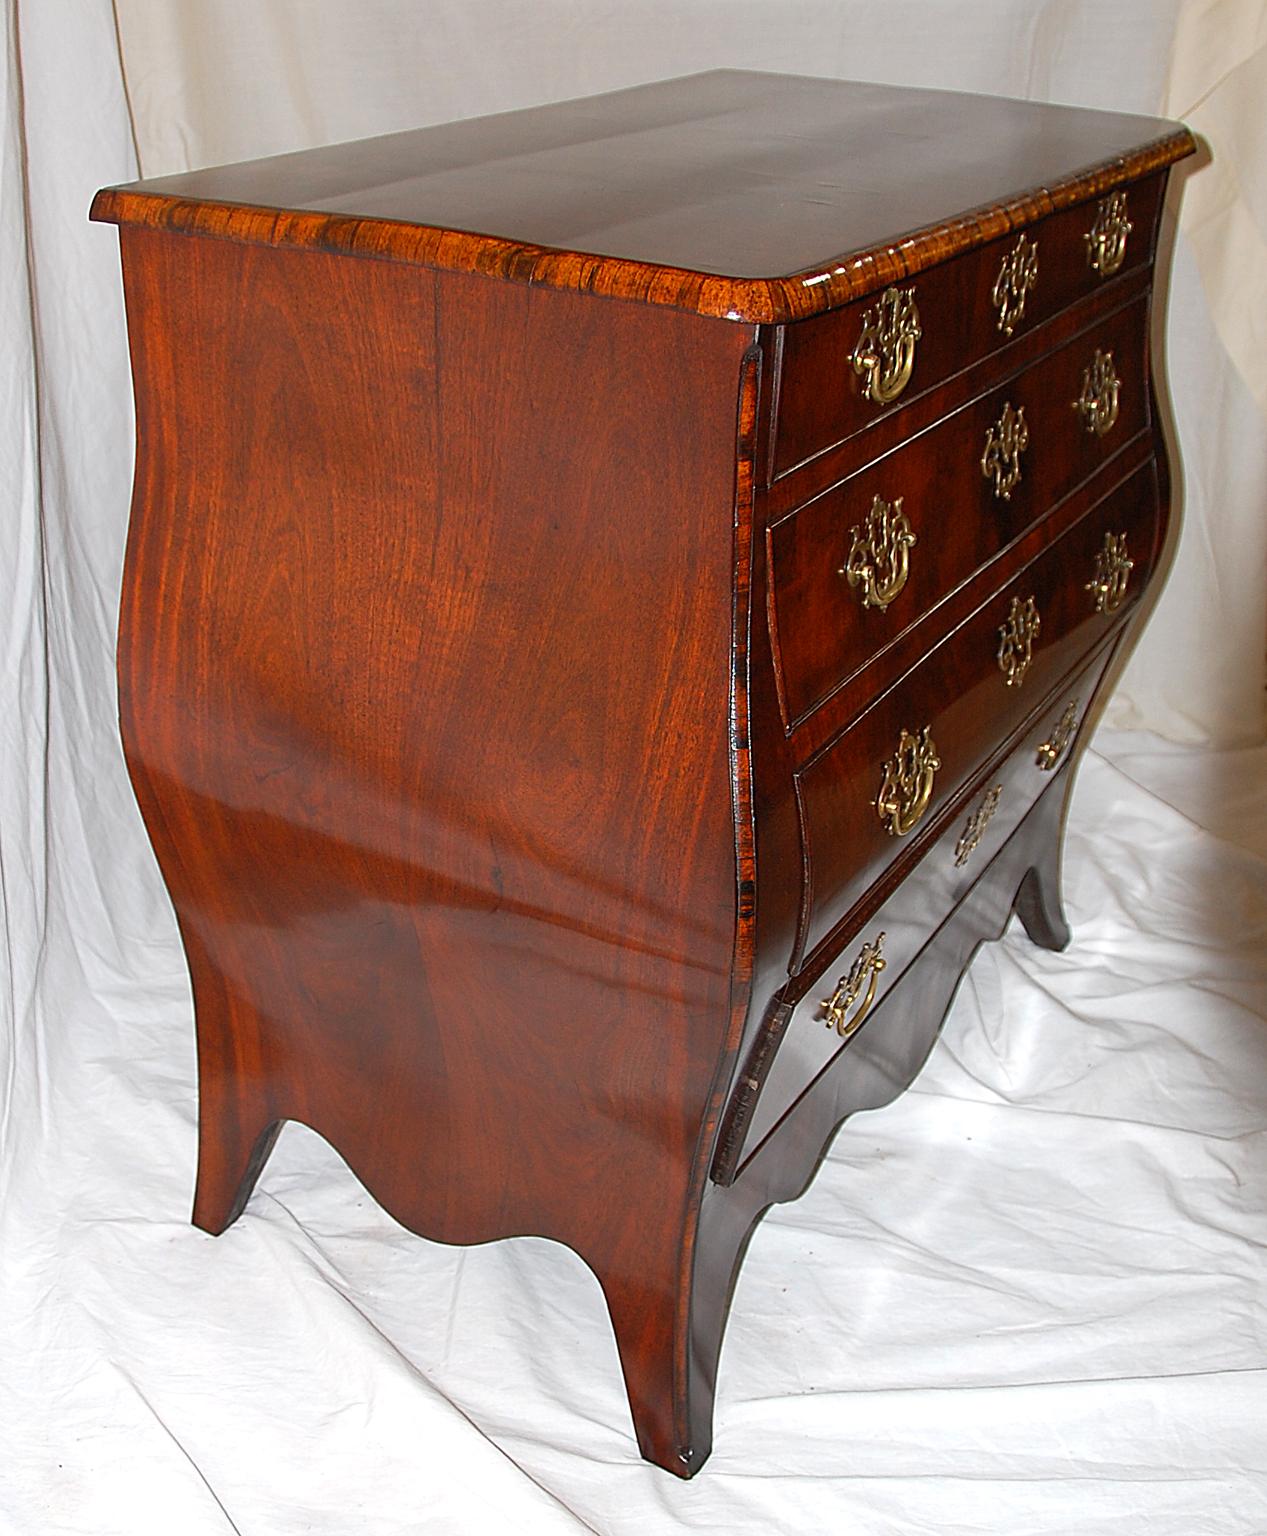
x=1030, y=1296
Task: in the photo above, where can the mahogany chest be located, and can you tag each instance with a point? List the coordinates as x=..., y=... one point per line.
x=614, y=596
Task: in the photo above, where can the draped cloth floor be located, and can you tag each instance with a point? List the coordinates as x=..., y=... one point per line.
x=1029, y=1296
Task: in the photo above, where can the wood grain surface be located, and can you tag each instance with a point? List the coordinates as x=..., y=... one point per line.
x=507, y=825
x=959, y=691
x=668, y=193
x=444, y=799
x=800, y=1044
x=821, y=397
x=960, y=526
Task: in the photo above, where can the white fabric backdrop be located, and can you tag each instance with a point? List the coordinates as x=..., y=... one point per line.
x=1030, y=1296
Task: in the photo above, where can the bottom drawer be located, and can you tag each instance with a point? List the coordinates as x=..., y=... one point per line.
x=837, y=1004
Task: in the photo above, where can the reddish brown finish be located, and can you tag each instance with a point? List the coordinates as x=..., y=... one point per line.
x=893, y=428
x=446, y=670
x=446, y=822
x=958, y=690
x=885, y=1056
x=662, y=193
x=798, y=1045
x=822, y=633
x=821, y=400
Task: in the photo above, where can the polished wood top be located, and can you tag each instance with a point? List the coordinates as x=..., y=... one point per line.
x=747, y=195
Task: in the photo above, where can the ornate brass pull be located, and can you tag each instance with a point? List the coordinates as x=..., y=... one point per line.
x=1017, y=276
x=1016, y=640
x=1106, y=239
x=879, y=553
x=1101, y=387
x=1113, y=567
x=864, y=972
x=885, y=354
x=907, y=784
x=977, y=823
x=1006, y=440
x=1053, y=749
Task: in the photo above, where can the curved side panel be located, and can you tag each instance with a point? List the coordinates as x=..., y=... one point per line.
x=424, y=659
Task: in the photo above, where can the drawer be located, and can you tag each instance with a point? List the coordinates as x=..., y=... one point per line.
x=947, y=318
x=879, y=785
x=855, y=568
x=840, y=1001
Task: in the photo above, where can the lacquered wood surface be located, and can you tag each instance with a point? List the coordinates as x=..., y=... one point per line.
x=751, y=196
x=960, y=692
x=443, y=799
x=881, y=1062
x=778, y=902
x=449, y=681
x=824, y=633
x=805, y=1044
x=822, y=400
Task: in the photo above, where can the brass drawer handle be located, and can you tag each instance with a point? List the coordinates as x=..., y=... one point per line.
x=1053, y=749
x=1106, y=239
x=1113, y=567
x=1017, y=276
x=1101, y=387
x=864, y=972
x=907, y=785
x=885, y=353
x=1006, y=440
x=977, y=823
x=879, y=553
x=1017, y=634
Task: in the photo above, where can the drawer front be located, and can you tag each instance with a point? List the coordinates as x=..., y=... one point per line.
x=853, y=569
x=834, y=366
x=884, y=779
x=852, y=988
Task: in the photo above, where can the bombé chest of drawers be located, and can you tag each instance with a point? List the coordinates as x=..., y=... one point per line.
x=613, y=598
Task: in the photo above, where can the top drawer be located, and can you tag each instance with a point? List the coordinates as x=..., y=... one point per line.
x=956, y=509
x=841, y=372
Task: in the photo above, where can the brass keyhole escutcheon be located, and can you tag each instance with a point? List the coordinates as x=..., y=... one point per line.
x=1017, y=634
x=842, y=1011
x=1101, y=389
x=884, y=357
x=1106, y=239
x=1016, y=278
x=1006, y=440
x=879, y=553
x=906, y=786
x=977, y=823
x=1113, y=567
x=1053, y=749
